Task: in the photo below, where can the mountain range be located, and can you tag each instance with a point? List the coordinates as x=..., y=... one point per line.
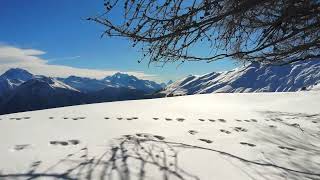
x=254, y=77
x=22, y=91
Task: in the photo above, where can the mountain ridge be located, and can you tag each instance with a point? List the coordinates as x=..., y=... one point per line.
x=251, y=78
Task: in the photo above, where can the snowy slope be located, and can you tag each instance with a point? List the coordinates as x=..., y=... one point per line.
x=252, y=78
x=199, y=137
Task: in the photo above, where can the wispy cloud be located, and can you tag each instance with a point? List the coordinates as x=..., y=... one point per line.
x=29, y=59
x=64, y=58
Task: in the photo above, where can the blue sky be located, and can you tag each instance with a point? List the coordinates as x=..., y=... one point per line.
x=60, y=37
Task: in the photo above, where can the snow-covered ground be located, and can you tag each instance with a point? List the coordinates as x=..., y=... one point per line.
x=199, y=137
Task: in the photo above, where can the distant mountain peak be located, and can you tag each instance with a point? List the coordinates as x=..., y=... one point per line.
x=18, y=74
x=122, y=75
x=169, y=82
x=126, y=80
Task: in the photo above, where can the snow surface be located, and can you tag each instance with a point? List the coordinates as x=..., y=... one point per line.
x=198, y=137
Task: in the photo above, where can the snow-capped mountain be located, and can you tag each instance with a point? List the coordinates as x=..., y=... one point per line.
x=125, y=80
x=12, y=79
x=169, y=82
x=40, y=93
x=15, y=77
x=17, y=74
x=23, y=91
x=84, y=84
x=251, y=78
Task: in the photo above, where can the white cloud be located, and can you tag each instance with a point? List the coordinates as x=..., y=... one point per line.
x=64, y=58
x=13, y=57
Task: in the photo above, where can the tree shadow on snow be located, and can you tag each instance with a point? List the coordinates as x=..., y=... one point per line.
x=294, y=144
x=135, y=156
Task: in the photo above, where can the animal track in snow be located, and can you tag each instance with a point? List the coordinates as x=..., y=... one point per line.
x=180, y=119
x=74, y=141
x=193, y=132
x=225, y=131
x=247, y=144
x=287, y=148
x=222, y=120
x=20, y=147
x=201, y=119
x=240, y=129
x=206, y=140
x=65, y=143
x=159, y=137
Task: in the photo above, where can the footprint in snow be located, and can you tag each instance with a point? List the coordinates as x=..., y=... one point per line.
x=129, y=119
x=50, y=117
x=314, y=121
x=180, y=119
x=168, y=119
x=206, y=140
x=254, y=120
x=36, y=163
x=247, y=144
x=135, y=118
x=238, y=120
x=159, y=137
x=240, y=129
x=106, y=118
x=155, y=118
x=272, y=126
x=212, y=120
x=287, y=148
x=65, y=143
x=119, y=118
x=201, y=119
x=74, y=141
x=222, y=120
x=20, y=147
x=193, y=132
x=225, y=131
